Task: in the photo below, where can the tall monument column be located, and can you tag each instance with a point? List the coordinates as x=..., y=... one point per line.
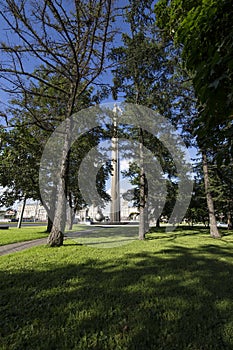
x=115, y=215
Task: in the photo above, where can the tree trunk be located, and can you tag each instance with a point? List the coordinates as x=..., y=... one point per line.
x=56, y=236
x=141, y=233
x=70, y=217
x=210, y=203
x=147, y=224
x=21, y=214
x=142, y=193
x=229, y=223
x=115, y=214
x=49, y=225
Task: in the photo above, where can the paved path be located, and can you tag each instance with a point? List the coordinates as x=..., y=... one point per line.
x=16, y=247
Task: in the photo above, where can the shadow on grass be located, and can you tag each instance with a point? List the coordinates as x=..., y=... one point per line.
x=105, y=232
x=185, y=231
x=162, y=234
x=180, y=228
x=72, y=244
x=105, y=238
x=180, y=298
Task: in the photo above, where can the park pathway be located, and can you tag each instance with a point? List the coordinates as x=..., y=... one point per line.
x=16, y=247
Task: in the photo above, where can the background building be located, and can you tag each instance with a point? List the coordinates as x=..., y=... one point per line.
x=32, y=212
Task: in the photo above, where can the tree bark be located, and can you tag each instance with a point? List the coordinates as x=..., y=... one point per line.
x=21, y=214
x=51, y=208
x=229, y=223
x=142, y=192
x=49, y=225
x=147, y=224
x=70, y=217
x=210, y=203
x=56, y=236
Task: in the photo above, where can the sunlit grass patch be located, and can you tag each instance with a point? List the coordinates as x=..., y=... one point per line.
x=14, y=235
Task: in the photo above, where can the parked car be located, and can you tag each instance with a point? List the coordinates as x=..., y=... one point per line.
x=222, y=224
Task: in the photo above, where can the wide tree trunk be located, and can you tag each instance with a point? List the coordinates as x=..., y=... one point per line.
x=56, y=236
x=210, y=203
x=50, y=209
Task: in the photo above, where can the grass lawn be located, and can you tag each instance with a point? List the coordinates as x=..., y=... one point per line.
x=171, y=291
x=14, y=235
x=105, y=236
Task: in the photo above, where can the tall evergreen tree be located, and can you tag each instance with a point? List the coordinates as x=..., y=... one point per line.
x=134, y=76
x=148, y=73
